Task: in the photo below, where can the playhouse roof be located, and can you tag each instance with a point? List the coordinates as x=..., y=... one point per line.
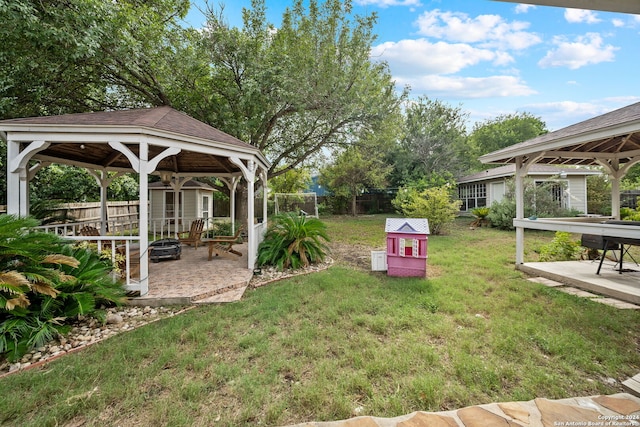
x=407, y=225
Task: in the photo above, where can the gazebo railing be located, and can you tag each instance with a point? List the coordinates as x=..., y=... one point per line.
x=123, y=225
x=124, y=253
x=163, y=228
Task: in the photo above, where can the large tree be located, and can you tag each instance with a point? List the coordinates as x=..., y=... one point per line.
x=504, y=131
x=88, y=55
x=434, y=142
x=354, y=170
x=302, y=88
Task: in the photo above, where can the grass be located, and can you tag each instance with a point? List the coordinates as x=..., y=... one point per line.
x=317, y=347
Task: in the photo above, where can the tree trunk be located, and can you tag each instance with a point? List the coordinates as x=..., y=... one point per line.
x=354, y=206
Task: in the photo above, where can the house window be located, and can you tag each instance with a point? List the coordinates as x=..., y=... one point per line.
x=205, y=207
x=472, y=196
x=557, y=189
x=169, y=204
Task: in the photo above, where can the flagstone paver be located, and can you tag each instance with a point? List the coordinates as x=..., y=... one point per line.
x=556, y=413
x=475, y=416
x=423, y=419
x=620, y=409
x=621, y=406
x=516, y=411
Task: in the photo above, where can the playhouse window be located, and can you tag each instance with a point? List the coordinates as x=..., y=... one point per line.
x=408, y=247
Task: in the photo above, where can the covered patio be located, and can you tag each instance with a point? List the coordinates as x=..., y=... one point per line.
x=154, y=141
x=610, y=141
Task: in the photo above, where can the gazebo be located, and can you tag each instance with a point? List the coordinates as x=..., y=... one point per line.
x=154, y=141
x=611, y=141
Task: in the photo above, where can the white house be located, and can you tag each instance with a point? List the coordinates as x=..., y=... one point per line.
x=484, y=188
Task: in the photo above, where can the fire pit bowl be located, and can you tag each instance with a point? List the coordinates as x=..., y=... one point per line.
x=165, y=249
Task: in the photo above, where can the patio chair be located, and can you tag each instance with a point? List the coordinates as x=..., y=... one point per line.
x=194, y=235
x=224, y=244
x=90, y=231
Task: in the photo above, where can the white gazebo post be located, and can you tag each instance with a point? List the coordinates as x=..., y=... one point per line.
x=18, y=175
x=263, y=178
x=249, y=174
x=104, y=181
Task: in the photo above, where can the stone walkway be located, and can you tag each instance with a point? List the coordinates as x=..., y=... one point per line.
x=616, y=410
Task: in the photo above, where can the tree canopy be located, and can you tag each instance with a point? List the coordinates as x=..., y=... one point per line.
x=504, y=131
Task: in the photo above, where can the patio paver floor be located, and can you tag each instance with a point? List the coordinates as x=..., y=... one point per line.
x=193, y=278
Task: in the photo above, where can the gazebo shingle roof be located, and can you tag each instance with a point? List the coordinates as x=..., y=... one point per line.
x=162, y=118
x=81, y=139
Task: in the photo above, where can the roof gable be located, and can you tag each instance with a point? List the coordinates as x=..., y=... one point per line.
x=407, y=225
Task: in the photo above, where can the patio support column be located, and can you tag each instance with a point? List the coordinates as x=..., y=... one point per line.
x=616, y=173
x=615, y=197
x=522, y=168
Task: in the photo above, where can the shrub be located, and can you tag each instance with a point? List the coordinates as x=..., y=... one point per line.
x=436, y=204
x=538, y=201
x=628, y=214
x=43, y=283
x=561, y=248
x=502, y=214
x=293, y=241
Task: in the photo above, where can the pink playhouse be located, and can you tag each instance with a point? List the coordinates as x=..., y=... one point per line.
x=407, y=246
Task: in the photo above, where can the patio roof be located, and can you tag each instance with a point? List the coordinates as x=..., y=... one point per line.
x=623, y=6
x=510, y=170
x=614, y=136
x=81, y=139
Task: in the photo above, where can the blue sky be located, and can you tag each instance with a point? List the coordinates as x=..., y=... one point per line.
x=491, y=58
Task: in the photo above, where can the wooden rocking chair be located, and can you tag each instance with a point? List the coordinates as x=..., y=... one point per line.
x=194, y=235
x=224, y=244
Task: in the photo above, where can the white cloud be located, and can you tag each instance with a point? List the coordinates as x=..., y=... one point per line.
x=577, y=16
x=387, y=3
x=584, y=50
x=561, y=114
x=617, y=22
x=467, y=87
x=490, y=30
x=524, y=8
x=419, y=57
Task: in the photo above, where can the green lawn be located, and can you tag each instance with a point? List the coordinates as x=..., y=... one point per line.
x=319, y=346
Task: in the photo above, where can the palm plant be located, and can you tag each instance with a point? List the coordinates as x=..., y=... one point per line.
x=43, y=283
x=481, y=216
x=293, y=241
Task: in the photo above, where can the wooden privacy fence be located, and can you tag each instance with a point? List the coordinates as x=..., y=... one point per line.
x=118, y=213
